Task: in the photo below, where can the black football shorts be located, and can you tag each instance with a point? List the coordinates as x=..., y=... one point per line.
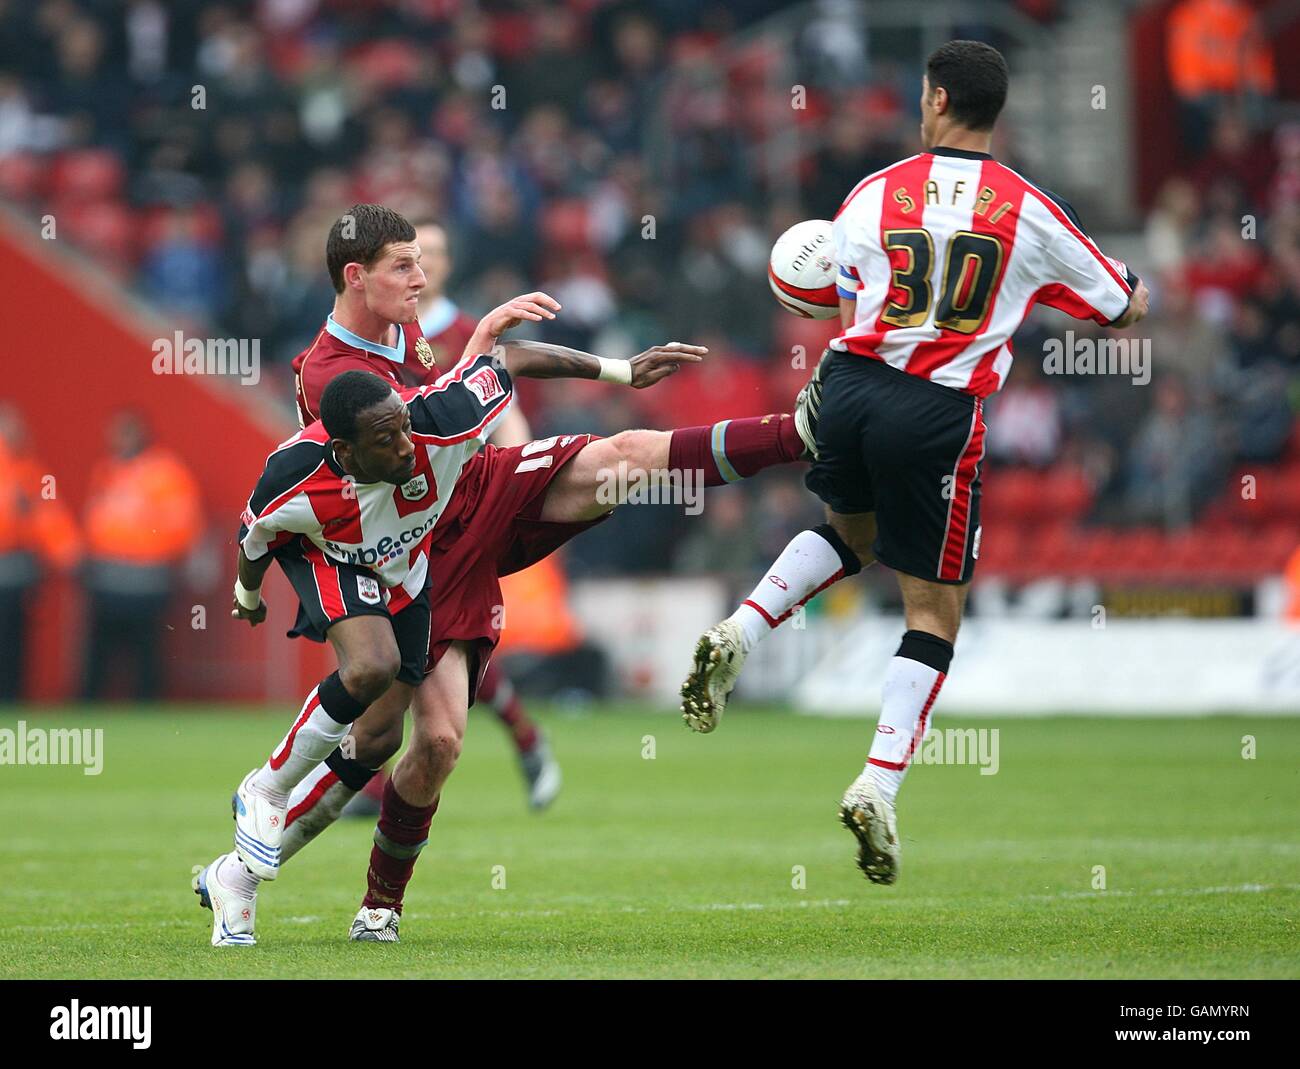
x=329, y=592
x=908, y=450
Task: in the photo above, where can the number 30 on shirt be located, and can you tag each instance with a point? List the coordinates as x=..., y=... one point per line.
x=971, y=268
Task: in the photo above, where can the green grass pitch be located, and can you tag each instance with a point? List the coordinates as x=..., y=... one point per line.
x=688, y=864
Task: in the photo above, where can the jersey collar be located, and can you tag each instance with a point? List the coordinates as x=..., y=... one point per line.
x=960, y=153
x=395, y=353
x=441, y=315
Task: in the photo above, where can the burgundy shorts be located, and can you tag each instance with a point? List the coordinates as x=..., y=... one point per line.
x=490, y=529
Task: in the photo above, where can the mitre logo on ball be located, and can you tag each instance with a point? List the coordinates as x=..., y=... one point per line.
x=801, y=272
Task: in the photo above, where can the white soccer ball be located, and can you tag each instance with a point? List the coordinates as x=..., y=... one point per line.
x=801, y=272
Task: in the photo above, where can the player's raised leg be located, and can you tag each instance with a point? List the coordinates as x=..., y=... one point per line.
x=813, y=560
x=439, y=713
x=588, y=485
x=912, y=683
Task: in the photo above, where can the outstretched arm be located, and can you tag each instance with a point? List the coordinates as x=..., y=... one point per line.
x=537, y=360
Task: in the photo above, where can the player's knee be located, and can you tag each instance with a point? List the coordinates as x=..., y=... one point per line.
x=373, y=749
x=438, y=749
x=367, y=677
x=636, y=449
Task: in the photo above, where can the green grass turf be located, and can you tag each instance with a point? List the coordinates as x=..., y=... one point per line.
x=682, y=865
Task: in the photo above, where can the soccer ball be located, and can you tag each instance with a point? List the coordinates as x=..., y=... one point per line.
x=801, y=272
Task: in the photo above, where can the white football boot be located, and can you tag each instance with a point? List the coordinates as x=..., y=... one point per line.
x=718, y=660
x=232, y=914
x=259, y=827
x=542, y=774
x=865, y=812
x=375, y=926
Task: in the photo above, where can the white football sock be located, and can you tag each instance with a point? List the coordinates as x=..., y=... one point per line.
x=908, y=695
x=311, y=739
x=236, y=875
x=807, y=566
x=314, y=805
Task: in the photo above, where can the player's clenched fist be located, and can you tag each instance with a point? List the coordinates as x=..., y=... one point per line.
x=253, y=616
x=531, y=306
x=661, y=361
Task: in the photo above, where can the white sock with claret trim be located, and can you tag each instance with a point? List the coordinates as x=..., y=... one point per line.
x=813, y=560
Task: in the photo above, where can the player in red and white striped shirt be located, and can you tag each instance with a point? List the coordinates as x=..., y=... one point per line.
x=941, y=257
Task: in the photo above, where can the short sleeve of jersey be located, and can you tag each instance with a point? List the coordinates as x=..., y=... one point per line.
x=466, y=403
x=1076, y=277
x=278, y=507
x=848, y=249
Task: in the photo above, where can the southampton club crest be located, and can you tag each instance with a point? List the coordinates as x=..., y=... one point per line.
x=368, y=589
x=425, y=352
x=416, y=488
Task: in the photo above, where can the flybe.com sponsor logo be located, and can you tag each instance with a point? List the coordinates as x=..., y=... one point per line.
x=385, y=550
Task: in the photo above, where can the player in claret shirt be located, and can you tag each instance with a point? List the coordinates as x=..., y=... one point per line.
x=941, y=257
x=450, y=332
x=375, y=258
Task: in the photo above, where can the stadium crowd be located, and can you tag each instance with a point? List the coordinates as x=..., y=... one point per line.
x=617, y=157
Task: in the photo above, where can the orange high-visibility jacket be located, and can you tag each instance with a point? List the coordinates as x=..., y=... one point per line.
x=144, y=510
x=33, y=519
x=537, y=610
x=1215, y=46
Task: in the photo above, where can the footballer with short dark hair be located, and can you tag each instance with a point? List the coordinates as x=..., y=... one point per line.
x=940, y=256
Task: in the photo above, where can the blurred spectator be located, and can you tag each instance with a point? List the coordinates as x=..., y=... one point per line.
x=1176, y=463
x=142, y=519
x=183, y=272
x=37, y=533
x=1171, y=227
x=721, y=543
x=1215, y=53
x=1024, y=423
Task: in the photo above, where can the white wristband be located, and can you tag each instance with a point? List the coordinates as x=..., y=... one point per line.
x=619, y=371
x=249, y=599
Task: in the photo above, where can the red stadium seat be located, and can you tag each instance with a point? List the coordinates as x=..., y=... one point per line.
x=22, y=176
x=154, y=224
x=1067, y=492
x=105, y=229
x=1275, y=548
x=387, y=64
x=87, y=174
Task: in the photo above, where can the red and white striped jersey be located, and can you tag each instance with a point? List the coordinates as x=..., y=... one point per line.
x=305, y=492
x=945, y=253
